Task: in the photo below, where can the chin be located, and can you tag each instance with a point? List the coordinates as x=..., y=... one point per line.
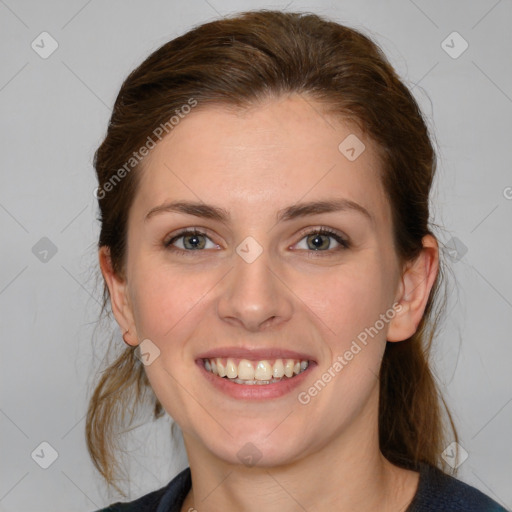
x=257, y=447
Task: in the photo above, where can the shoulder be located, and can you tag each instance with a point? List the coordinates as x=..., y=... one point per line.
x=168, y=498
x=438, y=491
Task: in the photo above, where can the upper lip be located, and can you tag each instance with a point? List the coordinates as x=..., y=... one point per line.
x=256, y=354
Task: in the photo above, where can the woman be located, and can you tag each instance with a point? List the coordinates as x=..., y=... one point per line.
x=265, y=244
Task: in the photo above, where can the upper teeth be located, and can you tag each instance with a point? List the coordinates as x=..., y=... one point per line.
x=254, y=370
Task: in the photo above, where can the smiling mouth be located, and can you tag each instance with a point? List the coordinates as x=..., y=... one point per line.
x=261, y=372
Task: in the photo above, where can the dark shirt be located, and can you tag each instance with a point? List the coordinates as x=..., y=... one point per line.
x=437, y=492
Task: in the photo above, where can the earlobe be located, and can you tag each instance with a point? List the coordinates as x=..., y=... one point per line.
x=119, y=299
x=414, y=290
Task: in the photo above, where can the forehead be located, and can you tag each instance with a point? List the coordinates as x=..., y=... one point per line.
x=268, y=156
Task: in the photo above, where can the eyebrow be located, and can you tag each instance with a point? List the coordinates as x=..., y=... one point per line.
x=295, y=211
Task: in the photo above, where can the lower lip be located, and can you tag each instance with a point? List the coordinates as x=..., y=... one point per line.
x=255, y=391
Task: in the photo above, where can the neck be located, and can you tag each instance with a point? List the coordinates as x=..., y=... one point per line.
x=349, y=473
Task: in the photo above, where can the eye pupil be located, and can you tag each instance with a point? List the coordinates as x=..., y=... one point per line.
x=193, y=242
x=318, y=242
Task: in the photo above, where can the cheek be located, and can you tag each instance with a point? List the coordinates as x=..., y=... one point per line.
x=168, y=306
x=162, y=298
x=346, y=301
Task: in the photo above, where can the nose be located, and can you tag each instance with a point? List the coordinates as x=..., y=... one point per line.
x=254, y=296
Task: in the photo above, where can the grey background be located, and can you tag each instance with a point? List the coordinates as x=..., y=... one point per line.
x=54, y=113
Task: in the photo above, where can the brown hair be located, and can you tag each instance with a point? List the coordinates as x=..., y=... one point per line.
x=237, y=62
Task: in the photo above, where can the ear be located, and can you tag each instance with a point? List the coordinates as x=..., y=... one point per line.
x=414, y=290
x=119, y=298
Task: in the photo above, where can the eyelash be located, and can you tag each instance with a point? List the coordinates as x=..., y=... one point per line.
x=344, y=243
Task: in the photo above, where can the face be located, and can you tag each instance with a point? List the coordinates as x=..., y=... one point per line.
x=253, y=239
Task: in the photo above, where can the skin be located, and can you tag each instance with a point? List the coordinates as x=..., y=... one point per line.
x=253, y=164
